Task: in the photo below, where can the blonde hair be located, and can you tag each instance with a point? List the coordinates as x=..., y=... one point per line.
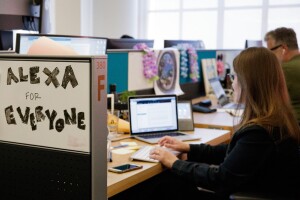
x=264, y=92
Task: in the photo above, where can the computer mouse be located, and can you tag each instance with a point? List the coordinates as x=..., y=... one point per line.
x=203, y=109
x=206, y=103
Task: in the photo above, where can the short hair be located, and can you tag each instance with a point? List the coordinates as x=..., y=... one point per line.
x=269, y=34
x=284, y=35
x=126, y=37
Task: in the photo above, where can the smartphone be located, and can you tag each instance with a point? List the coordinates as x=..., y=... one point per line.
x=124, y=168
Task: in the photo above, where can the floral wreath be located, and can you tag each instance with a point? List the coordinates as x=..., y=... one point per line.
x=188, y=61
x=149, y=61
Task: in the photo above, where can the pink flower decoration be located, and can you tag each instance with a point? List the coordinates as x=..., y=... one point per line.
x=149, y=61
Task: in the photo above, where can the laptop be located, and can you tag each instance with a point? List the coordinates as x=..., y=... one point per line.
x=223, y=100
x=152, y=117
x=185, y=116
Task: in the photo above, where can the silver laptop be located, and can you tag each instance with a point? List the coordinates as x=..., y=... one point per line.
x=185, y=116
x=223, y=100
x=152, y=117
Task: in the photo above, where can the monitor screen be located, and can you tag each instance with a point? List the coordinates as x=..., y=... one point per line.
x=127, y=43
x=6, y=40
x=253, y=43
x=81, y=44
x=197, y=44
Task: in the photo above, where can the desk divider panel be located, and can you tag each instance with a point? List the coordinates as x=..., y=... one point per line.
x=125, y=68
x=117, y=70
x=53, y=127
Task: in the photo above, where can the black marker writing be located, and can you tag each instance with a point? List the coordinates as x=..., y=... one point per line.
x=52, y=76
x=32, y=96
x=68, y=77
x=10, y=119
x=38, y=116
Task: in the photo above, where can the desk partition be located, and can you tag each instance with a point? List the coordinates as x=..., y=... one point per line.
x=125, y=65
x=53, y=127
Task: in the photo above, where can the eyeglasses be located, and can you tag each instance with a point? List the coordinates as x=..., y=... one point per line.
x=231, y=76
x=276, y=47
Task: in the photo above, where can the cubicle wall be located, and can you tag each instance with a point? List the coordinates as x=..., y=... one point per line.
x=53, y=127
x=125, y=69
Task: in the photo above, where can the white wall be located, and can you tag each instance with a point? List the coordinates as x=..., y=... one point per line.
x=67, y=17
x=113, y=18
x=103, y=18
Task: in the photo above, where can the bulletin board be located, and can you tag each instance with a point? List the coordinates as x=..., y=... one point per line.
x=45, y=104
x=53, y=127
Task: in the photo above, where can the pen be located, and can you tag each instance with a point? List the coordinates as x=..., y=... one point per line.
x=120, y=146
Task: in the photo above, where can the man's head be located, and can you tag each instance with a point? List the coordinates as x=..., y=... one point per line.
x=283, y=42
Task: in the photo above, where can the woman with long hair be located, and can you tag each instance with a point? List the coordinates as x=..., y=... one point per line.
x=262, y=155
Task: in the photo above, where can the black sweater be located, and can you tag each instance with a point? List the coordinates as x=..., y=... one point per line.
x=253, y=161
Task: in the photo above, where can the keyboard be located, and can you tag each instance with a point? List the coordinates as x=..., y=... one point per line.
x=159, y=135
x=143, y=154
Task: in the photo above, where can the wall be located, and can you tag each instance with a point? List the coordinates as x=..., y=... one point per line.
x=113, y=18
x=67, y=17
x=105, y=18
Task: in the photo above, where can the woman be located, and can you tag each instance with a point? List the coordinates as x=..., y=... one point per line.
x=263, y=152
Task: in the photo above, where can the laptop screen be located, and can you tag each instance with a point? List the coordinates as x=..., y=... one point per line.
x=153, y=114
x=217, y=87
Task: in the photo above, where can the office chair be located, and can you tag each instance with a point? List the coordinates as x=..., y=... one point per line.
x=261, y=196
x=253, y=43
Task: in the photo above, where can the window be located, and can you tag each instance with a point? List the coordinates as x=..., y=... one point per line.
x=221, y=24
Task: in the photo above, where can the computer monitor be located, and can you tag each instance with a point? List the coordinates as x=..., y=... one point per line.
x=83, y=45
x=127, y=43
x=253, y=43
x=6, y=40
x=197, y=44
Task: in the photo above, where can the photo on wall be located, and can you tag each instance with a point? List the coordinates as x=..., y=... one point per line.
x=168, y=73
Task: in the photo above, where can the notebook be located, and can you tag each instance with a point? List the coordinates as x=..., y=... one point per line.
x=152, y=117
x=223, y=100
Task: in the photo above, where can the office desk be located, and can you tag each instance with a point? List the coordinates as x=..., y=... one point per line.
x=119, y=182
x=216, y=120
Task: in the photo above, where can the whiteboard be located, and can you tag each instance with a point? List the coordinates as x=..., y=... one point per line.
x=45, y=103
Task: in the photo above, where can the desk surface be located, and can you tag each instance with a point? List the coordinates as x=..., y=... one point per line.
x=119, y=182
x=216, y=120
x=222, y=120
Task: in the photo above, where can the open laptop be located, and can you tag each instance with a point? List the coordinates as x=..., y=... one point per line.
x=223, y=100
x=152, y=117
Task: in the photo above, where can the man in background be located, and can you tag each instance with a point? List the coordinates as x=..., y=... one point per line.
x=283, y=42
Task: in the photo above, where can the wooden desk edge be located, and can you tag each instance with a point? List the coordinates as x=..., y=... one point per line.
x=133, y=180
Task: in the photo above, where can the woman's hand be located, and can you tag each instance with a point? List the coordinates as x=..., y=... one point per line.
x=175, y=144
x=164, y=156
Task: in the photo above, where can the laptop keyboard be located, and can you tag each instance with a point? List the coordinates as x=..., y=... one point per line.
x=159, y=135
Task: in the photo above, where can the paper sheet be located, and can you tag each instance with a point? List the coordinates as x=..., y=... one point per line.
x=122, y=151
x=129, y=143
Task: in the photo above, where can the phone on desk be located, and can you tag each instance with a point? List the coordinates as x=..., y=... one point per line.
x=124, y=168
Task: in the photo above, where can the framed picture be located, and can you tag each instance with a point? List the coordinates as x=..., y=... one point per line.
x=209, y=69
